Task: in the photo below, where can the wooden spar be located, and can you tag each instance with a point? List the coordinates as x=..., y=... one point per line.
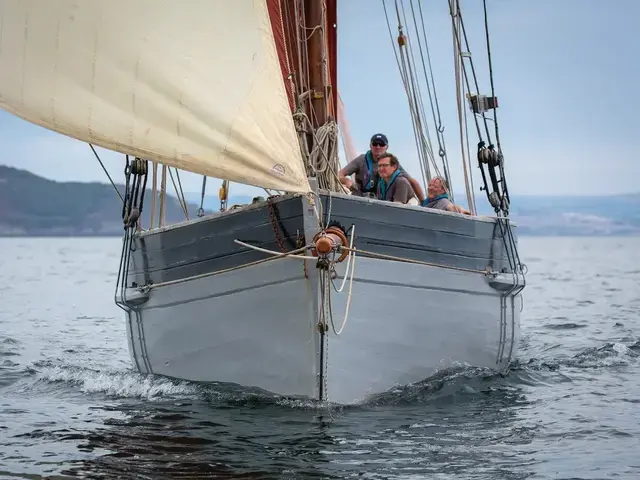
x=163, y=196
x=316, y=55
x=154, y=192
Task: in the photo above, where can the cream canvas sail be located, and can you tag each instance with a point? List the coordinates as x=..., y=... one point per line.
x=194, y=84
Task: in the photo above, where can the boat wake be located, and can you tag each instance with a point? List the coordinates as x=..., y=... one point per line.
x=110, y=383
x=117, y=421
x=460, y=384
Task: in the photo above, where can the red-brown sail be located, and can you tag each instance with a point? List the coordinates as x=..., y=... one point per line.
x=287, y=16
x=284, y=45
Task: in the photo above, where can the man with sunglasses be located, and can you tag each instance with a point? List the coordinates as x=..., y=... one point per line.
x=365, y=168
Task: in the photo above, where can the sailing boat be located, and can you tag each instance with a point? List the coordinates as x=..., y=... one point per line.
x=313, y=292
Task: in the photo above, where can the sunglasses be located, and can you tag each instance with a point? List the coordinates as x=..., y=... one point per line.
x=379, y=144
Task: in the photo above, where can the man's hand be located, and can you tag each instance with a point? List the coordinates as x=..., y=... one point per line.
x=346, y=181
x=458, y=209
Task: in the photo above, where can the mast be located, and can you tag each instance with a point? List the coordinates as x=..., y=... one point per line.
x=316, y=56
x=319, y=95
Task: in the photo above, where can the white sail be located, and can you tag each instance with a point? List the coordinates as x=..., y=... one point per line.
x=194, y=84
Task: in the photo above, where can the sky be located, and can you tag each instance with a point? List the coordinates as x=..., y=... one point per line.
x=565, y=73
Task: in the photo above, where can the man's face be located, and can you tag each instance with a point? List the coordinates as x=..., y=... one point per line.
x=435, y=188
x=378, y=147
x=385, y=169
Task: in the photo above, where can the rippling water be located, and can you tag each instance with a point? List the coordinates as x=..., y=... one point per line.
x=71, y=406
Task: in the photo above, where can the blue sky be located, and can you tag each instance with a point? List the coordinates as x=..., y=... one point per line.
x=565, y=74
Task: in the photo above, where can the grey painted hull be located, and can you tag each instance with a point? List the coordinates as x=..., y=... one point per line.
x=209, y=317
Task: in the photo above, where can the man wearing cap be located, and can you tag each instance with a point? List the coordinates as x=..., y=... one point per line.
x=365, y=167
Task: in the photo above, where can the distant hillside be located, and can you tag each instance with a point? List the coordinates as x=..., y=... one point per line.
x=579, y=215
x=32, y=205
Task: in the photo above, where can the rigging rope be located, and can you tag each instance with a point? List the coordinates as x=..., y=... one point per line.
x=408, y=79
x=181, y=200
x=136, y=173
x=327, y=279
x=427, y=143
x=495, y=110
x=433, y=97
x=488, y=155
x=322, y=162
x=107, y=173
x=463, y=128
x=181, y=191
x=202, y=194
x=274, y=256
x=323, y=158
x=406, y=63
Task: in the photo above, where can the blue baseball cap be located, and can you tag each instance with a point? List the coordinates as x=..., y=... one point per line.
x=380, y=137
